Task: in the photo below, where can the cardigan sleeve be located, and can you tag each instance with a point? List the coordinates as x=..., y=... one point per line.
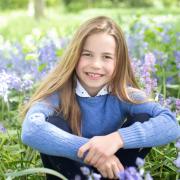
x=46, y=137
x=160, y=129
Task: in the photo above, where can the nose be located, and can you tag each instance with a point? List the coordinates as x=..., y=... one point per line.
x=96, y=63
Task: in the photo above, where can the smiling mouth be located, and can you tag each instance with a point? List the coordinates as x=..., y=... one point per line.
x=94, y=75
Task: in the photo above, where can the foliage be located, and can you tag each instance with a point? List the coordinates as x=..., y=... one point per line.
x=23, y=4
x=78, y=5
x=13, y=4
x=155, y=52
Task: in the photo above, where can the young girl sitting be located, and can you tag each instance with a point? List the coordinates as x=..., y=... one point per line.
x=90, y=110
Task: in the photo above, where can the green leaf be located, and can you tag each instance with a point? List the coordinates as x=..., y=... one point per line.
x=41, y=67
x=14, y=99
x=33, y=171
x=59, y=52
x=173, y=86
x=31, y=56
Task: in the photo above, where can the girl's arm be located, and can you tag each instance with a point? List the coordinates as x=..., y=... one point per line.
x=161, y=128
x=47, y=138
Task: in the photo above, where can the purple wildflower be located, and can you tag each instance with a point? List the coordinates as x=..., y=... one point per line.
x=177, y=55
x=177, y=144
x=150, y=60
x=177, y=60
x=2, y=129
x=85, y=170
x=140, y=162
x=77, y=177
x=147, y=69
x=96, y=176
x=177, y=104
x=160, y=98
x=169, y=102
x=122, y=175
x=129, y=174
x=161, y=57
x=177, y=161
x=148, y=176
x=26, y=85
x=166, y=38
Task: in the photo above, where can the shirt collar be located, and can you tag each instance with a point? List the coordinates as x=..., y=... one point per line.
x=80, y=91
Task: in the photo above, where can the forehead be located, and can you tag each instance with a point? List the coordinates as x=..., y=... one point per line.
x=100, y=42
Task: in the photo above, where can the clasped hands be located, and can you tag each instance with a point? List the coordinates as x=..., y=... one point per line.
x=99, y=152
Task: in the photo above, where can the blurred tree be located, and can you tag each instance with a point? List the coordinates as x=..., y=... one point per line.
x=39, y=6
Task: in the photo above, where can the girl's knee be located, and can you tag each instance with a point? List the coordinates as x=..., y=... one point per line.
x=136, y=118
x=59, y=122
x=140, y=117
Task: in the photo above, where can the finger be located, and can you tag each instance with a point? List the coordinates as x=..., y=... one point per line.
x=109, y=171
x=103, y=173
x=83, y=149
x=95, y=158
x=115, y=170
x=91, y=154
x=120, y=166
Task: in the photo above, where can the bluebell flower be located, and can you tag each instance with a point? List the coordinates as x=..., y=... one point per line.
x=77, y=177
x=140, y=162
x=129, y=173
x=177, y=161
x=148, y=176
x=85, y=170
x=177, y=144
x=2, y=128
x=96, y=176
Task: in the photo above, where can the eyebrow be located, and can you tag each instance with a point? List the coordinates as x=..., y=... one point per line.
x=105, y=53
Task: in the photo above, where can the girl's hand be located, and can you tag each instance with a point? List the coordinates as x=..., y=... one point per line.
x=110, y=168
x=100, y=147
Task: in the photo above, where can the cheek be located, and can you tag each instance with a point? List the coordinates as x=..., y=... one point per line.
x=111, y=68
x=80, y=66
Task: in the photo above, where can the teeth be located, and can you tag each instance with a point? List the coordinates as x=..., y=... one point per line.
x=94, y=75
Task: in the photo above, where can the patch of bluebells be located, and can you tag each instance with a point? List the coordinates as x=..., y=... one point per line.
x=161, y=57
x=24, y=64
x=11, y=81
x=178, y=106
x=142, y=37
x=36, y=55
x=136, y=38
x=177, y=60
x=130, y=173
x=171, y=102
x=89, y=174
x=177, y=161
x=144, y=71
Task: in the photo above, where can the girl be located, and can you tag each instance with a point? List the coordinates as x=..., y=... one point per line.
x=90, y=111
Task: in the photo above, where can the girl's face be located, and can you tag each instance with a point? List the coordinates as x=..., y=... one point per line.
x=97, y=62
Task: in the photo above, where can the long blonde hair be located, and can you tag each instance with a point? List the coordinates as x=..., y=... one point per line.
x=62, y=78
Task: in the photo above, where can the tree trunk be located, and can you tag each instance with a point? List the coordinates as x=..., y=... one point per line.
x=39, y=8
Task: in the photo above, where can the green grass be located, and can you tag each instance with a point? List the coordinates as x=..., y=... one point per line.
x=16, y=24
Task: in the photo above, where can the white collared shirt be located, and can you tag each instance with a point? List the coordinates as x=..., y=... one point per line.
x=80, y=91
